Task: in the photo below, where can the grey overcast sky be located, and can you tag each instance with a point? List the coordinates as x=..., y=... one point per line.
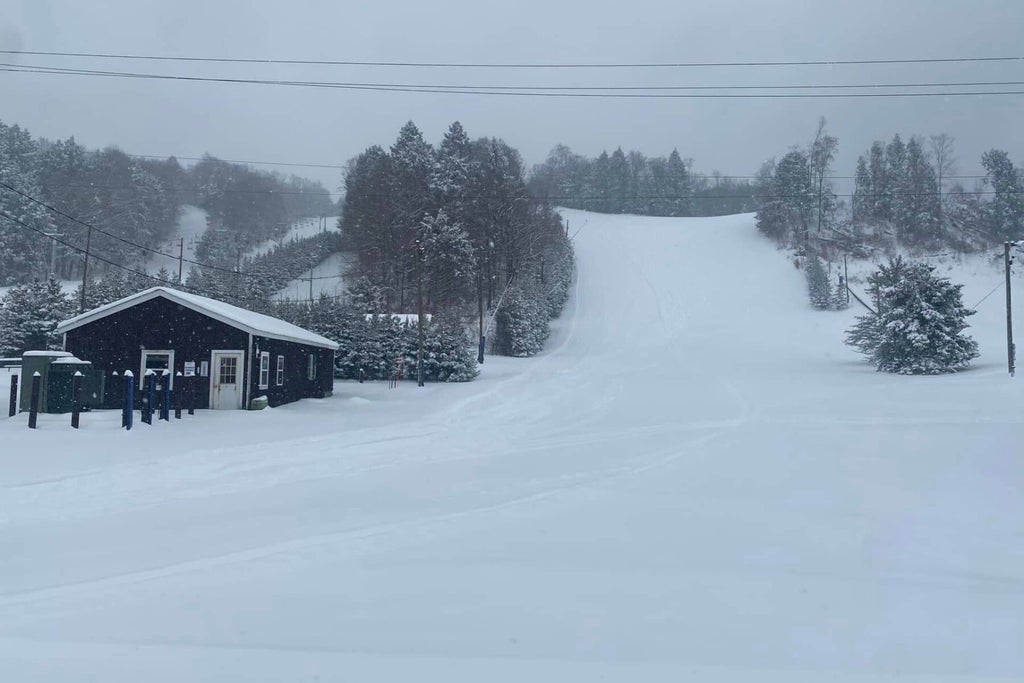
x=330, y=126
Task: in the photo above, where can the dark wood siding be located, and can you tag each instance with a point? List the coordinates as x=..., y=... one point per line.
x=296, y=379
x=116, y=342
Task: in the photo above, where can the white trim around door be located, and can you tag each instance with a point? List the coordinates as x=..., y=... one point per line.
x=227, y=379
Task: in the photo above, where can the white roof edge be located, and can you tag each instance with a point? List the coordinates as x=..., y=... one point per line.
x=208, y=307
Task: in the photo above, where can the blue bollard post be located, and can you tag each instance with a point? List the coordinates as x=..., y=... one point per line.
x=192, y=395
x=129, y=399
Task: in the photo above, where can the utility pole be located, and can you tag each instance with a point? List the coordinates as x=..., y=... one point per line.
x=1010, y=351
x=85, y=269
x=181, y=256
x=419, y=296
x=846, y=280
x=480, y=305
x=310, y=285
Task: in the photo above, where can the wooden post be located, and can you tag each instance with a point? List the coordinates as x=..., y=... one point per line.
x=181, y=256
x=1010, y=351
x=13, y=409
x=419, y=297
x=76, y=399
x=129, y=399
x=177, y=396
x=85, y=269
x=165, y=404
x=33, y=404
x=147, y=408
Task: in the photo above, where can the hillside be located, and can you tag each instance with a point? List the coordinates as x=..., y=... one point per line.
x=695, y=481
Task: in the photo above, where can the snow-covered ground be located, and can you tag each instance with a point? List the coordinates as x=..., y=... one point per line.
x=696, y=481
x=191, y=226
x=302, y=228
x=329, y=277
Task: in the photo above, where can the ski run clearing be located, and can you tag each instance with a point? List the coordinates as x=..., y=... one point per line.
x=697, y=481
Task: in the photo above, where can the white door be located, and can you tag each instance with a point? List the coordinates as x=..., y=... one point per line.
x=226, y=378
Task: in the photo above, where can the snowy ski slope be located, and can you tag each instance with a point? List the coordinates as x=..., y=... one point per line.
x=696, y=481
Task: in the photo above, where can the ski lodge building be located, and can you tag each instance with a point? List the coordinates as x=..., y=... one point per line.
x=233, y=355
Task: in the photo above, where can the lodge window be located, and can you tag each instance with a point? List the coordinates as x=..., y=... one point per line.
x=158, y=361
x=311, y=368
x=280, y=370
x=264, y=370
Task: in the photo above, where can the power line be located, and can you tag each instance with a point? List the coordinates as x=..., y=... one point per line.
x=753, y=195
x=90, y=186
x=118, y=238
x=503, y=93
x=506, y=65
x=80, y=250
x=235, y=161
x=569, y=88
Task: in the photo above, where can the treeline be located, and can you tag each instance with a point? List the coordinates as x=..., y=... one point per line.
x=635, y=184
x=456, y=226
x=135, y=203
x=906, y=194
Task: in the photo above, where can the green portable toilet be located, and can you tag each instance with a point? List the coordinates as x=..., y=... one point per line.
x=31, y=363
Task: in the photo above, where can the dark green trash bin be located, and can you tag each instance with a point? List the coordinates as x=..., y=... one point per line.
x=60, y=383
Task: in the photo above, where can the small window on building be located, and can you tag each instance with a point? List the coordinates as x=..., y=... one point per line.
x=280, y=370
x=312, y=367
x=264, y=370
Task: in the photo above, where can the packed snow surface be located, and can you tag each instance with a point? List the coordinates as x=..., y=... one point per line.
x=300, y=229
x=190, y=228
x=695, y=481
x=329, y=279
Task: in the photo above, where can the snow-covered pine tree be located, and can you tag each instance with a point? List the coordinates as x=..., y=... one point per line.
x=23, y=247
x=819, y=291
x=840, y=297
x=449, y=354
x=919, y=327
x=28, y=315
x=449, y=264
x=521, y=322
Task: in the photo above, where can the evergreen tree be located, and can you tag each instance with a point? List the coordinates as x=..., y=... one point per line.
x=678, y=187
x=22, y=244
x=449, y=355
x=29, y=314
x=449, y=264
x=880, y=205
x=862, y=200
x=819, y=290
x=618, y=182
x=1004, y=213
x=920, y=322
x=521, y=322
x=917, y=211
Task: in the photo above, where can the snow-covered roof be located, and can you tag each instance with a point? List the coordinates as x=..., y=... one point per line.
x=47, y=354
x=253, y=323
